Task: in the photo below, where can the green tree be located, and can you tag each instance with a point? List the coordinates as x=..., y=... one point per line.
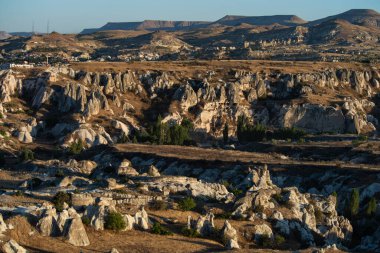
x=225, y=133
x=354, y=202
x=187, y=204
x=115, y=221
x=371, y=208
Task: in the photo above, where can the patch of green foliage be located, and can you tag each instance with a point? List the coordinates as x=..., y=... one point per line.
x=86, y=221
x=353, y=205
x=26, y=155
x=279, y=240
x=190, y=233
x=160, y=230
x=187, y=204
x=114, y=221
x=318, y=215
x=266, y=241
x=76, y=147
x=247, y=132
x=163, y=134
x=59, y=199
x=371, y=208
x=159, y=205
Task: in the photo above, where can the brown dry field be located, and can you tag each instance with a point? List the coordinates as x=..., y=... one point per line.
x=203, y=154
x=198, y=65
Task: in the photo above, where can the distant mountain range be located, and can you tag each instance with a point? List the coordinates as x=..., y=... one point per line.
x=363, y=17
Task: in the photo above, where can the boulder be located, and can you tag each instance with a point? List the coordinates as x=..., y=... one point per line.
x=13, y=247
x=76, y=233
x=230, y=237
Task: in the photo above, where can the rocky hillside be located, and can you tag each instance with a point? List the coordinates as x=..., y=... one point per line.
x=280, y=156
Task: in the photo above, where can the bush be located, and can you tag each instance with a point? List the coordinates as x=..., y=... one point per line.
x=190, y=233
x=187, y=204
x=59, y=199
x=237, y=191
x=362, y=138
x=371, y=208
x=26, y=155
x=1, y=116
x=159, y=205
x=86, y=221
x=114, y=221
x=159, y=230
x=353, y=208
x=279, y=240
x=76, y=147
x=60, y=173
x=278, y=198
x=2, y=132
x=288, y=133
x=266, y=241
x=224, y=216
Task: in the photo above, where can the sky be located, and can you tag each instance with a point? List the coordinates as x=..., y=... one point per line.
x=72, y=16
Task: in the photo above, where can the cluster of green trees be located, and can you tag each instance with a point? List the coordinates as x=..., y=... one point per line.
x=353, y=205
x=163, y=134
x=247, y=132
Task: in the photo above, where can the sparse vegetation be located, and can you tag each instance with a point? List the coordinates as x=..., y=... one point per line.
x=86, y=221
x=371, y=207
x=158, y=229
x=159, y=205
x=26, y=155
x=190, y=232
x=247, y=132
x=279, y=240
x=187, y=204
x=76, y=147
x=114, y=221
x=353, y=205
x=318, y=215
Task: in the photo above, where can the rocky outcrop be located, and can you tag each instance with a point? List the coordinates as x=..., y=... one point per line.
x=89, y=135
x=312, y=118
x=13, y=247
x=186, y=96
x=75, y=233
x=204, y=225
x=73, y=98
x=48, y=225
x=230, y=236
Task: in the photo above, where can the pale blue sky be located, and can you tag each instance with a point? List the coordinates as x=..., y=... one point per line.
x=71, y=16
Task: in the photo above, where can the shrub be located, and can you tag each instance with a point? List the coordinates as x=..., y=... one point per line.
x=2, y=132
x=76, y=147
x=259, y=209
x=114, y=221
x=134, y=140
x=279, y=240
x=236, y=191
x=159, y=205
x=190, y=232
x=26, y=155
x=60, y=173
x=1, y=115
x=224, y=215
x=60, y=198
x=362, y=138
x=187, y=204
x=266, y=241
x=353, y=208
x=371, y=208
x=159, y=230
x=86, y=221
x=288, y=133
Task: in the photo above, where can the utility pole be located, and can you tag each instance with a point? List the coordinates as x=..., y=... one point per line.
x=47, y=27
x=33, y=28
